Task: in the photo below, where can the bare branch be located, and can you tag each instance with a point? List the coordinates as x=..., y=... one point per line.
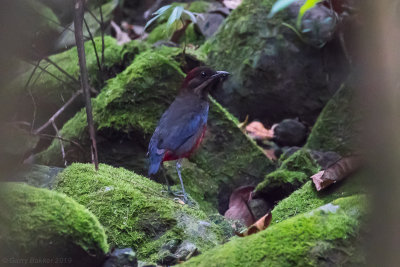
x=78, y=22
x=44, y=126
x=61, y=69
x=49, y=136
x=95, y=50
x=61, y=143
x=102, y=35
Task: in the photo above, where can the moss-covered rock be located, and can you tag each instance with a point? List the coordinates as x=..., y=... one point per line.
x=307, y=197
x=338, y=126
x=135, y=212
x=293, y=173
x=50, y=93
x=126, y=113
x=326, y=236
x=43, y=224
x=274, y=74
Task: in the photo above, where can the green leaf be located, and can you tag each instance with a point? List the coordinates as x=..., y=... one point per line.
x=278, y=6
x=161, y=10
x=191, y=16
x=151, y=21
x=175, y=15
x=304, y=8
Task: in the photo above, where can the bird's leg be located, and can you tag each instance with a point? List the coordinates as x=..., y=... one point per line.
x=178, y=170
x=166, y=180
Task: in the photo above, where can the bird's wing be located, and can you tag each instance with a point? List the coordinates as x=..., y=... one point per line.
x=180, y=122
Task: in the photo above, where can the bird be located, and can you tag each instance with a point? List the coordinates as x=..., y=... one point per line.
x=182, y=126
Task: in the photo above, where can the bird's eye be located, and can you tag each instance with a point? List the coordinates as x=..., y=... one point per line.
x=203, y=74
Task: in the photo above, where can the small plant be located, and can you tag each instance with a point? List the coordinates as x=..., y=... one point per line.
x=178, y=14
x=282, y=4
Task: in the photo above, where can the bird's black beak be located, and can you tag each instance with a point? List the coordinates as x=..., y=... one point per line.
x=222, y=74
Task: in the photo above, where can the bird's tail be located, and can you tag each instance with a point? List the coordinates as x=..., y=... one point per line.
x=155, y=158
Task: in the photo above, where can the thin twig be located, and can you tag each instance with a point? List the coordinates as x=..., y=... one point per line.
x=46, y=71
x=94, y=47
x=91, y=14
x=61, y=69
x=78, y=22
x=49, y=136
x=44, y=126
x=102, y=36
x=61, y=142
x=27, y=87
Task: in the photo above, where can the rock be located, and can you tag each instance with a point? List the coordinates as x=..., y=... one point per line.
x=124, y=257
x=321, y=237
x=338, y=126
x=290, y=132
x=259, y=207
x=67, y=38
x=318, y=24
x=37, y=175
x=42, y=224
x=125, y=122
x=209, y=24
x=185, y=251
x=275, y=75
x=134, y=211
x=293, y=173
x=323, y=158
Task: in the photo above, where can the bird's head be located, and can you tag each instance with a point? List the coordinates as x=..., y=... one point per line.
x=202, y=80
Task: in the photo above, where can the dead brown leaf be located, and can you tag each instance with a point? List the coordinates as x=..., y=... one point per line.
x=256, y=130
x=336, y=172
x=238, y=207
x=258, y=226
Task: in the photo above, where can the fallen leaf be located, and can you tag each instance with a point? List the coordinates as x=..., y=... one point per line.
x=336, y=172
x=121, y=36
x=238, y=207
x=256, y=130
x=258, y=226
x=232, y=4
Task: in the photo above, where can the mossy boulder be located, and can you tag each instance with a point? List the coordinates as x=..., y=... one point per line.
x=43, y=224
x=126, y=113
x=338, y=126
x=326, y=236
x=275, y=75
x=50, y=93
x=292, y=174
x=135, y=212
x=307, y=197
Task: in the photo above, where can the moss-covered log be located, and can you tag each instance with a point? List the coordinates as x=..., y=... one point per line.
x=135, y=212
x=40, y=224
x=326, y=236
x=126, y=113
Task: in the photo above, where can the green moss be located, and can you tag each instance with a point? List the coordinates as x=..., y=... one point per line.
x=134, y=211
x=226, y=159
x=337, y=127
x=240, y=30
x=293, y=172
x=307, y=197
x=37, y=222
x=309, y=239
